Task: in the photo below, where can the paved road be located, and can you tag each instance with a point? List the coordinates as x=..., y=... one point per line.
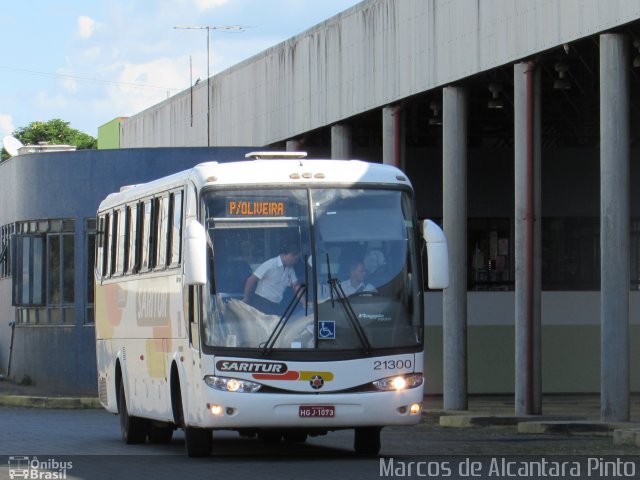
x=90, y=440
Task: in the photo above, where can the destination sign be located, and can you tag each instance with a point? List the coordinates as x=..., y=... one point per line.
x=255, y=208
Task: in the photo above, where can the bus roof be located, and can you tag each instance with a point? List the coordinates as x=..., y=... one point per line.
x=269, y=172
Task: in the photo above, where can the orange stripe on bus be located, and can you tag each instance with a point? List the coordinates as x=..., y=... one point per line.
x=292, y=375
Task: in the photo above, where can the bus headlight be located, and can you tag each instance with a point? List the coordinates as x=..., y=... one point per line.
x=399, y=382
x=231, y=384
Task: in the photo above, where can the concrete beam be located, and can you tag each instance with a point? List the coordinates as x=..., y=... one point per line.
x=340, y=141
x=294, y=145
x=393, y=136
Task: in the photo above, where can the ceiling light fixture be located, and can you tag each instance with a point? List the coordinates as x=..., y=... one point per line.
x=436, y=119
x=636, y=59
x=495, y=102
x=562, y=83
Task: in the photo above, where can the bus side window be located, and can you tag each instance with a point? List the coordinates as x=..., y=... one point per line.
x=162, y=232
x=100, y=245
x=194, y=316
x=120, y=237
x=175, y=243
x=146, y=237
x=133, y=250
x=113, y=242
x=106, y=259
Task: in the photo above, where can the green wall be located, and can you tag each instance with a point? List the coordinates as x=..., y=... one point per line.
x=570, y=359
x=109, y=134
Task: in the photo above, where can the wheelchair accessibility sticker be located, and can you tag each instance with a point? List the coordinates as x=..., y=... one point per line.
x=327, y=330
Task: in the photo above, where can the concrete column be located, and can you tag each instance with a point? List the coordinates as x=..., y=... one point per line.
x=527, y=152
x=614, y=227
x=393, y=136
x=454, y=167
x=537, y=243
x=294, y=145
x=341, y=142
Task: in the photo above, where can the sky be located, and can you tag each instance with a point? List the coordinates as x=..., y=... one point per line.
x=90, y=61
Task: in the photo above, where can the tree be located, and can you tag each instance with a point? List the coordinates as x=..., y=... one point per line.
x=55, y=132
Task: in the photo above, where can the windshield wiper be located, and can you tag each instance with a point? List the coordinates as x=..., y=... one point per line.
x=306, y=282
x=275, y=333
x=334, y=285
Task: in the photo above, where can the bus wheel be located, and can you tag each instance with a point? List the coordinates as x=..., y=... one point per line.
x=367, y=440
x=198, y=441
x=133, y=429
x=160, y=434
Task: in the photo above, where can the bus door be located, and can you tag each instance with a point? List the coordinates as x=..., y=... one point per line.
x=192, y=355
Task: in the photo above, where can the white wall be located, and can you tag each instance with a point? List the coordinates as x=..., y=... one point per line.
x=371, y=55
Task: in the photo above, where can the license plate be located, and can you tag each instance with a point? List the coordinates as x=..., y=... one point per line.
x=325, y=411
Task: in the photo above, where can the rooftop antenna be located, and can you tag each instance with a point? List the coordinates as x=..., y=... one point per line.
x=208, y=28
x=11, y=145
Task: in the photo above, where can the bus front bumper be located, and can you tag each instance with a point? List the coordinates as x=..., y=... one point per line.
x=326, y=411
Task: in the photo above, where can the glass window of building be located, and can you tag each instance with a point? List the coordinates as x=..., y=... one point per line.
x=6, y=233
x=44, y=280
x=90, y=238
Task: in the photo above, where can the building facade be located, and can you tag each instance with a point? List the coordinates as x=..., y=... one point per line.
x=517, y=123
x=47, y=234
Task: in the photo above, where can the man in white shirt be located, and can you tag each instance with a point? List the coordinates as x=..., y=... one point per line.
x=271, y=279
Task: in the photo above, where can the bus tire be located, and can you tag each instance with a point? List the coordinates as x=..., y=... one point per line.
x=367, y=440
x=198, y=441
x=133, y=429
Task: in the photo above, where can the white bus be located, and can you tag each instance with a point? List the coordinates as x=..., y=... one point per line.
x=179, y=345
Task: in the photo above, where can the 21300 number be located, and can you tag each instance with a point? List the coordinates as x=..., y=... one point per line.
x=392, y=364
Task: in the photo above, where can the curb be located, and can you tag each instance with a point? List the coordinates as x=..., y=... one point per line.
x=470, y=421
x=627, y=436
x=574, y=428
x=436, y=415
x=22, y=401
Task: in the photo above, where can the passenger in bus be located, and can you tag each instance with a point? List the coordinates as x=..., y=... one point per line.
x=355, y=283
x=377, y=268
x=264, y=289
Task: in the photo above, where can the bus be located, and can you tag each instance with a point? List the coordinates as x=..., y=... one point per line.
x=179, y=345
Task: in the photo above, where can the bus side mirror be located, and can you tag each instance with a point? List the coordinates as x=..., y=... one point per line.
x=437, y=255
x=195, y=258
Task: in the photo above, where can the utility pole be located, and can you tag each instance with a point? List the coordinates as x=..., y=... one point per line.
x=208, y=28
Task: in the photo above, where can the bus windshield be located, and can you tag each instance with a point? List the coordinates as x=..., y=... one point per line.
x=312, y=269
